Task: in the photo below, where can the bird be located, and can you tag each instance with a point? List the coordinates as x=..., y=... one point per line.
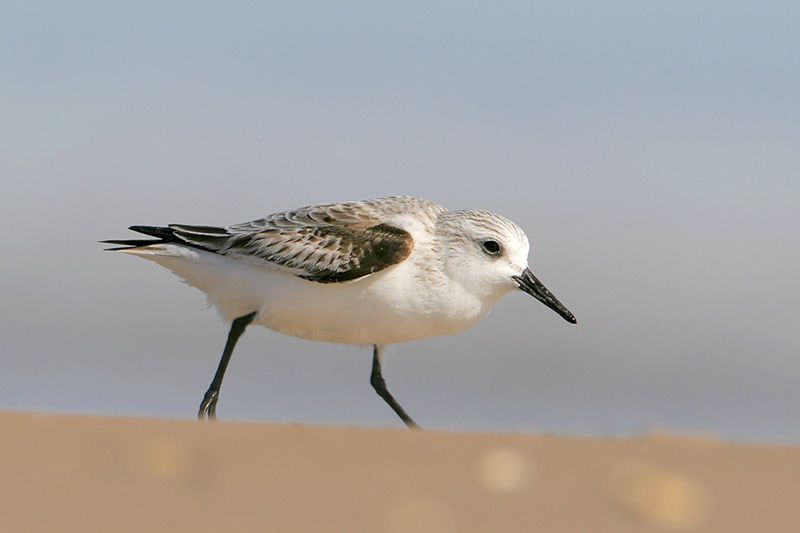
x=371, y=273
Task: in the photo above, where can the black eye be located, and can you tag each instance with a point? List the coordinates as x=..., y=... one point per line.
x=491, y=247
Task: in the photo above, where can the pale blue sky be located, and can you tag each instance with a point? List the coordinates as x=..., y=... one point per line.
x=650, y=150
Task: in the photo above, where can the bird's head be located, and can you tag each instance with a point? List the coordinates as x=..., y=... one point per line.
x=488, y=255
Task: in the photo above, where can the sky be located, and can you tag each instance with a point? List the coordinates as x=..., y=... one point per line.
x=651, y=151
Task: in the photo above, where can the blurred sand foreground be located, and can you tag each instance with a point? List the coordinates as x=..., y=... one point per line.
x=77, y=473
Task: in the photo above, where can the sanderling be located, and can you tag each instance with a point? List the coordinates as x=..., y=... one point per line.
x=374, y=272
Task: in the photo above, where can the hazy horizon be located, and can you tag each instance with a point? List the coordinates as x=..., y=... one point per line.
x=650, y=151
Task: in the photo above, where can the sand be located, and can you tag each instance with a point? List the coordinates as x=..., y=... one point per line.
x=81, y=473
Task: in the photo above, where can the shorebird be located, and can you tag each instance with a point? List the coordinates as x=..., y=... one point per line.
x=374, y=272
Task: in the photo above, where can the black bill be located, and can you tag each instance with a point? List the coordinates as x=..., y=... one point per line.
x=528, y=283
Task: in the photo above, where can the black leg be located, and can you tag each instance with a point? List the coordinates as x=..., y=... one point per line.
x=379, y=384
x=208, y=407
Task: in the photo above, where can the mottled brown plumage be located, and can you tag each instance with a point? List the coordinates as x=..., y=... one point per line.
x=326, y=243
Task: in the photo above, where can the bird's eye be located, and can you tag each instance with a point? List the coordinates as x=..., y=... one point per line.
x=491, y=247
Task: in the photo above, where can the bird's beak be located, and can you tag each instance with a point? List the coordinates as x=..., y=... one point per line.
x=528, y=283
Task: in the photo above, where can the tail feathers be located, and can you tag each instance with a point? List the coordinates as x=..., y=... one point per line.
x=128, y=244
x=161, y=235
x=194, y=236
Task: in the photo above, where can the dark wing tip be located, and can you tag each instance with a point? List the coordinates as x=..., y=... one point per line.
x=207, y=238
x=161, y=234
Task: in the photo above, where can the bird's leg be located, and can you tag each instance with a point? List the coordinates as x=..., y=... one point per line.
x=208, y=407
x=379, y=384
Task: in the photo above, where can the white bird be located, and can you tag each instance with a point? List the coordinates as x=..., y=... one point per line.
x=374, y=272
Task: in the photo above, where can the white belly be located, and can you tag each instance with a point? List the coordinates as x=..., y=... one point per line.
x=387, y=307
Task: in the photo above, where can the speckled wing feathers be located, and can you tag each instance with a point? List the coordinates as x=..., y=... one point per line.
x=325, y=253
x=322, y=243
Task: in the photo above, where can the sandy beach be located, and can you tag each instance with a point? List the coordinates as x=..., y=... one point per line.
x=86, y=473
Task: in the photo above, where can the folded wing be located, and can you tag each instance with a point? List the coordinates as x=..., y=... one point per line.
x=317, y=243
